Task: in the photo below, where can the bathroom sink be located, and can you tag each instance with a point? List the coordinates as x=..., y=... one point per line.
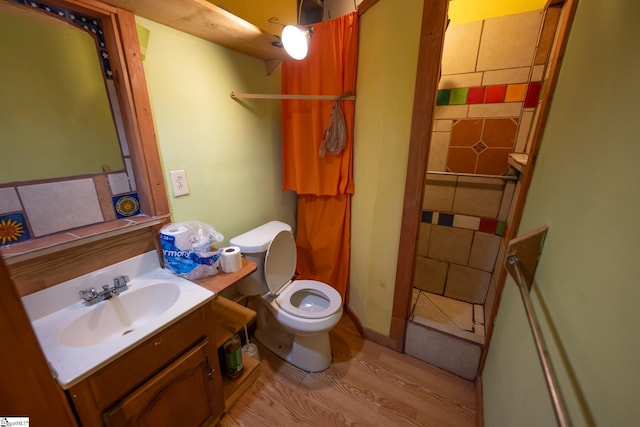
x=79, y=338
x=120, y=315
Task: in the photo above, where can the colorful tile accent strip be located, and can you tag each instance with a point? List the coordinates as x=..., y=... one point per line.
x=443, y=97
x=484, y=225
x=515, y=93
x=529, y=93
x=445, y=219
x=495, y=94
x=533, y=95
x=476, y=95
x=13, y=229
x=458, y=96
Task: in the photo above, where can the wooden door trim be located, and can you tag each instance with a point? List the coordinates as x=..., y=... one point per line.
x=434, y=20
x=555, y=62
x=424, y=104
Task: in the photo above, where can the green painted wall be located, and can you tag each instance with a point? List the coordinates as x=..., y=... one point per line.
x=585, y=189
x=230, y=150
x=387, y=65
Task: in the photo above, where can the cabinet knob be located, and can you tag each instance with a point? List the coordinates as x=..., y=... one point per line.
x=210, y=368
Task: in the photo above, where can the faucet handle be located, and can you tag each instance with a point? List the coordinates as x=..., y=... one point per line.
x=88, y=294
x=120, y=281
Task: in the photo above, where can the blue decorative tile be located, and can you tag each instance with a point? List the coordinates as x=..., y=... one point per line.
x=13, y=229
x=126, y=205
x=445, y=219
x=427, y=216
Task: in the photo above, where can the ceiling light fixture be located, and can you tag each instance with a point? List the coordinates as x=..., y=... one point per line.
x=295, y=39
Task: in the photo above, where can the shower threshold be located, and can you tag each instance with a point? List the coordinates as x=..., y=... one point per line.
x=427, y=308
x=446, y=333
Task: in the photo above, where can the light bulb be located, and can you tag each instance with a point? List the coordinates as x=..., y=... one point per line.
x=294, y=40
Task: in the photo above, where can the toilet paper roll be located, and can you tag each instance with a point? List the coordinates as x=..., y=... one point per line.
x=231, y=259
x=181, y=236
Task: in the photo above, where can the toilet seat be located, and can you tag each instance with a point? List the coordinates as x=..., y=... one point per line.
x=279, y=267
x=321, y=299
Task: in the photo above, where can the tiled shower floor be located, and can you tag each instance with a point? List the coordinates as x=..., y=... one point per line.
x=447, y=311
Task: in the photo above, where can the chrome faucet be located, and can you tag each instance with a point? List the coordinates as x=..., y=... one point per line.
x=91, y=296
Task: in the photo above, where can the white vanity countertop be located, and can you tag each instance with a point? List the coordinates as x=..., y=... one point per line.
x=54, y=309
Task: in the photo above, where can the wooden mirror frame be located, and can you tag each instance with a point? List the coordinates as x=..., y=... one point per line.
x=128, y=74
x=28, y=260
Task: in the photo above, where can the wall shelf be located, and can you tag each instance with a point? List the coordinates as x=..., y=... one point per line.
x=229, y=318
x=518, y=161
x=203, y=19
x=234, y=389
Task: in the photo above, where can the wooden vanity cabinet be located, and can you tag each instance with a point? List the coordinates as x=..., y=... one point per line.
x=181, y=395
x=172, y=378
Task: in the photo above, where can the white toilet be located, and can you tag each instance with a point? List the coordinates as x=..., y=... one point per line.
x=294, y=316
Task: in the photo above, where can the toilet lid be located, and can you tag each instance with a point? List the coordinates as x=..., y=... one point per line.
x=280, y=261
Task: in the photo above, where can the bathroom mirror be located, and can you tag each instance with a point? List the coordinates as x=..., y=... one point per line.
x=55, y=111
x=96, y=205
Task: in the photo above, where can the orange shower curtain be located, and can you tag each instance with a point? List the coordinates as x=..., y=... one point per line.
x=324, y=184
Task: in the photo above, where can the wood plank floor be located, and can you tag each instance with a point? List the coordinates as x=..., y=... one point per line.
x=367, y=385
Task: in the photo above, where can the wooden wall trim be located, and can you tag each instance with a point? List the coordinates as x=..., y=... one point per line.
x=145, y=145
x=479, y=402
x=365, y=5
x=434, y=20
x=373, y=336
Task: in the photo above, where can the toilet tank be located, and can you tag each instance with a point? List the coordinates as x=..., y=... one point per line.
x=253, y=244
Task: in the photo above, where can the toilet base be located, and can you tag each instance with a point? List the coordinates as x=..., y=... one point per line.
x=311, y=353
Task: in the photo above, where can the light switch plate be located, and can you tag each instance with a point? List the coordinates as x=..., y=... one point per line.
x=179, y=183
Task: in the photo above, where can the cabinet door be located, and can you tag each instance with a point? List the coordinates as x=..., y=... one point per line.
x=183, y=394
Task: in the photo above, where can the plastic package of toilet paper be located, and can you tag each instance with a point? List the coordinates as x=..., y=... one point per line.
x=189, y=249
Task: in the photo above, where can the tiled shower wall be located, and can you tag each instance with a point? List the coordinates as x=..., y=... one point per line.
x=493, y=73
x=462, y=224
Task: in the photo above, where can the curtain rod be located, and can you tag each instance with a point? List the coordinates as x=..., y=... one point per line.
x=476, y=175
x=236, y=95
